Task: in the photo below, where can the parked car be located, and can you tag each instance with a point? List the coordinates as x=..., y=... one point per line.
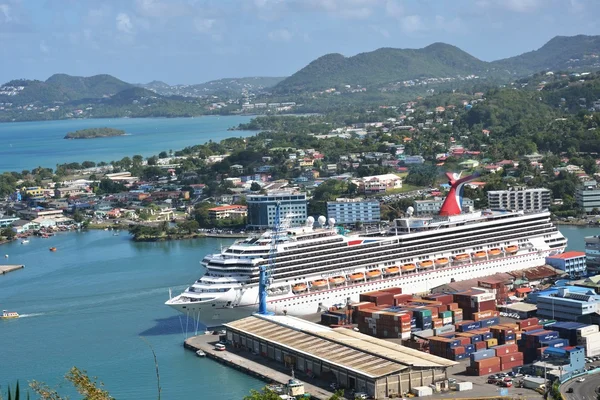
x=581, y=380
x=570, y=390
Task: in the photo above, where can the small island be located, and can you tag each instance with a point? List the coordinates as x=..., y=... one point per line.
x=92, y=133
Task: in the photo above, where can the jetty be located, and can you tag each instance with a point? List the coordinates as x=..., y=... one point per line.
x=9, y=268
x=249, y=363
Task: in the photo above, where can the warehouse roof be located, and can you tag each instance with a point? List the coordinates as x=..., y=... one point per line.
x=522, y=307
x=345, y=348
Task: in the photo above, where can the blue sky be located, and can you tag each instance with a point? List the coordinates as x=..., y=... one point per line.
x=193, y=41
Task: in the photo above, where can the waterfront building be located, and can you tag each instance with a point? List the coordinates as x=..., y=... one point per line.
x=592, y=254
x=560, y=363
x=228, y=212
x=39, y=212
x=22, y=226
x=7, y=221
x=261, y=209
x=571, y=262
x=351, y=211
x=588, y=198
x=433, y=206
x=567, y=305
x=519, y=198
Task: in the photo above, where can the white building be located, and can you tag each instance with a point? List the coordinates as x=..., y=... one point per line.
x=351, y=211
x=432, y=206
x=378, y=183
x=519, y=198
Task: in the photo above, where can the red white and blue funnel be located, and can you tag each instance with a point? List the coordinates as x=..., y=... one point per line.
x=453, y=203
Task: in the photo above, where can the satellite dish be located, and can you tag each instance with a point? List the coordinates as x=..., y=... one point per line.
x=410, y=211
x=310, y=221
x=322, y=220
x=331, y=221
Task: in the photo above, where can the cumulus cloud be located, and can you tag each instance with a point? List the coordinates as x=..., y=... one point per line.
x=353, y=9
x=6, y=12
x=394, y=9
x=280, y=35
x=44, y=47
x=204, y=24
x=520, y=6
x=124, y=23
x=412, y=23
x=162, y=8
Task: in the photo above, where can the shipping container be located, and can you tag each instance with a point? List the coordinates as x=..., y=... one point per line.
x=506, y=349
x=444, y=329
x=518, y=356
x=480, y=345
x=478, y=316
x=511, y=365
x=486, y=362
x=482, y=354
x=392, y=290
x=492, y=342
x=466, y=326
x=487, y=322
x=587, y=330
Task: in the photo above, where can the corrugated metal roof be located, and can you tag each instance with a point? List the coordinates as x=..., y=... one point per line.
x=342, y=347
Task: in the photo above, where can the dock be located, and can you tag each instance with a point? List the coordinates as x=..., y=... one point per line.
x=249, y=363
x=9, y=268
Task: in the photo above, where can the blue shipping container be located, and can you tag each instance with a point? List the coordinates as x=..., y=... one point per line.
x=476, y=338
x=555, y=343
x=510, y=336
x=470, y=348
x=490, y=322
x=482, y=354
x=488, y=335
x=469, y=326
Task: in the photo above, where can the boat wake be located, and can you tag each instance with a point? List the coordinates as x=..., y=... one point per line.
x=30, y=315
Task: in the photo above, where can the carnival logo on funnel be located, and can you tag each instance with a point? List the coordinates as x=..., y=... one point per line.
x=453, y=203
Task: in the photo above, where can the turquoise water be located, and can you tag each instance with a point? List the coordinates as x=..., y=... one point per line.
x=26, y=145
x=88, y=303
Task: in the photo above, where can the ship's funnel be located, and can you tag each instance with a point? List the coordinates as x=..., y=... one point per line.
x=453, y=203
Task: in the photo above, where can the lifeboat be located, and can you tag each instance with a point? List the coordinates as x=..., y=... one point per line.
x=408, y=267
x=511, y=249
x=391, y=270
x=494, y=252
x=52, y=249
x=479, y=254
x=440, y=262
x=461, y=258
x=358, y=276
x=426, y=264
x=319, y=284
x=299, y=288
x=337, y=280
x=374, y=273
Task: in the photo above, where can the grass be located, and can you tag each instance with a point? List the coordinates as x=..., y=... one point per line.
x=406, y=187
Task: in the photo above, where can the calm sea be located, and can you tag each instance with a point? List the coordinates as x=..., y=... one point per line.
x=26, y=145
x=88, y=304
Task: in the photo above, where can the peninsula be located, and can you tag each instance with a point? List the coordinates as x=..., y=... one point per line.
x=92, y=133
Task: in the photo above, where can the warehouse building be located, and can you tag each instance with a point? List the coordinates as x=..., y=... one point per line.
x=351, y=359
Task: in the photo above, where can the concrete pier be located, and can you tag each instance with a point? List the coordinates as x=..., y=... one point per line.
x=249, y=363
x=9, y=268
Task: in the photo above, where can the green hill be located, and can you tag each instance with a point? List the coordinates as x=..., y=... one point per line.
x=79, y=87
x=382, y=66
x=560, y=53
x=229, y=87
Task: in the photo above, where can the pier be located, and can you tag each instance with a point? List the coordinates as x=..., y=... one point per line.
x=249, y=363
x=9, y=268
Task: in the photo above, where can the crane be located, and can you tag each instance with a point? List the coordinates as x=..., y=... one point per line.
x=266, y=270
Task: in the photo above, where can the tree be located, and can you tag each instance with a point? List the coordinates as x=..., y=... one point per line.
x=86, y=386
x=8, y=233
x=255, y=187
x=163, y=154
x=77, y=216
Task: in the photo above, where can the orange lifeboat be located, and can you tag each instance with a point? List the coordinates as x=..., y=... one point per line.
x=461, y=258
x=511, y=249
x=299, y=288
x=440, y=262
x=52, y=249
x=426, y=264
x=337, y=280
x=479, y=254
x=408, y=267
x=494, y=252
x=358, y=276
x=392, y=270
x=319, y=284
x=374, y=273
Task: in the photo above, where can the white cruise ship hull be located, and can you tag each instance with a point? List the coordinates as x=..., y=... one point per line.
x=242, y=301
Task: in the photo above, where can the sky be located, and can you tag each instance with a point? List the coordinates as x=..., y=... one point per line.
x=194, y=41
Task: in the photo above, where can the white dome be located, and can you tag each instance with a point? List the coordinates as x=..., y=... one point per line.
x=322, y=220
x=331, y=221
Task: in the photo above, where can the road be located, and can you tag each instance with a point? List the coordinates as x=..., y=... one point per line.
x=582, y=390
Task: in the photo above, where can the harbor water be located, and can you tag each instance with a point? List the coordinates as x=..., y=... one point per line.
x=27, y=145
x=88, y=303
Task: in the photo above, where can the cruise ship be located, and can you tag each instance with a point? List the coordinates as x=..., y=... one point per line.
x=316, y=266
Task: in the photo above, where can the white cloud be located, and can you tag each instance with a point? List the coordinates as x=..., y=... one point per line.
x=124, y=23
x=520, y=5
x=393, y=9
x=383, y=32
x=353, y=9
x=454, y=25
x=204, y=25
x=412, y=23
x=161, y=8
x=280, y=35
x=44, y=47
x=576, y=6
x=6, y=12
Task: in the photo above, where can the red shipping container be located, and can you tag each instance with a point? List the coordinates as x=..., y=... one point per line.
x=510, y=342
x=531, y=328
x=511, y=357
x=480, y=345
x=478, y=316
x=452, y=306
x=487, y=370
x=486, y=362
x=393, y=290
x=465, y=341
x=458, y=350
x=506, y=349
x=511, y=365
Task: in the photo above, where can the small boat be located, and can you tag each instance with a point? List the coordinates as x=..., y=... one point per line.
x=511, y=249
x=200, y=353
x=299, y=288
x=374, y=273
x=408, y=267
x=391, y=270
x=337, y=280
x=52, y=249
x=116, y=234
x=319, y=284
x=479, y=254
x=494, y=252
x=461, y=258
x=25, y=241
x=425, y=264
x=9, y=314
x=358, y=276
x=440, y=262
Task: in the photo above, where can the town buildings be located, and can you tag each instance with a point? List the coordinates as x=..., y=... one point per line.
x=261, y=209
x=571, y=262
x=588, y=198
x=432, y=206
x=519, y=198
x=228, y=212
x=378, y=183
x=566, y=305
x=352, y=211
x=592, y=254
